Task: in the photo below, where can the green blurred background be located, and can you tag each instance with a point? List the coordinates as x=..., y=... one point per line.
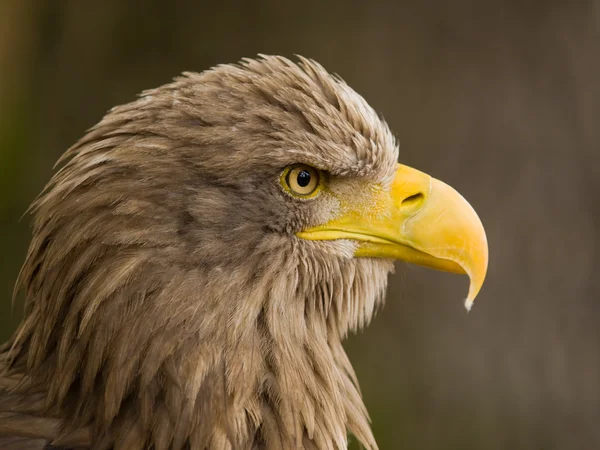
x=499, y=99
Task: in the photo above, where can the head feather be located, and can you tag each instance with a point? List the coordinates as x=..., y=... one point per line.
x=169, y=302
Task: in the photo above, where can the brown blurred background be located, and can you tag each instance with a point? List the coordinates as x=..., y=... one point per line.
x=501, y=99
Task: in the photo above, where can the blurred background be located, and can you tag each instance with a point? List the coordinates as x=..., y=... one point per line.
x=501, y=99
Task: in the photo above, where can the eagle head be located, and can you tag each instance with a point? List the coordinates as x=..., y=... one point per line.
x=202, y=252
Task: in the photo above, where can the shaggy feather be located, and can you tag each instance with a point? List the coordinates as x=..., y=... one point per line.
x=169, y=303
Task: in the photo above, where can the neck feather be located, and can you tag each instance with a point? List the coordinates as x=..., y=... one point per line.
x=251, y=358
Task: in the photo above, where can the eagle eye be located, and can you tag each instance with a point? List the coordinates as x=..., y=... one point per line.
x=301, y=180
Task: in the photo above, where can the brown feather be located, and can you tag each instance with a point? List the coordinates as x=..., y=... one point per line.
x=169, y=304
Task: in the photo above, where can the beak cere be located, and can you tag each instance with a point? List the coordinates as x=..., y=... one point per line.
x=423, y=221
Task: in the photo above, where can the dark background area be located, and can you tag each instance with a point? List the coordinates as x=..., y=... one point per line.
x=500, y=99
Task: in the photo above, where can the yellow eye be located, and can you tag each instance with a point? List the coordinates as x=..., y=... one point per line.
x=301, y=180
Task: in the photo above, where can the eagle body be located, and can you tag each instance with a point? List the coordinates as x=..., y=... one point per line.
x=171, y=300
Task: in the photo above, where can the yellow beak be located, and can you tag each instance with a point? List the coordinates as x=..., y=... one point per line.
x=421, y=220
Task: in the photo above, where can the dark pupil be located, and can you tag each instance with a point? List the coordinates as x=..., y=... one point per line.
x=303, y=178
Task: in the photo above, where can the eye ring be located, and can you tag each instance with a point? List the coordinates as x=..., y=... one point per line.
x=301, y=180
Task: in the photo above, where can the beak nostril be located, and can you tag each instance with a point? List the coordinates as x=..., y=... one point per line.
x=412, y=200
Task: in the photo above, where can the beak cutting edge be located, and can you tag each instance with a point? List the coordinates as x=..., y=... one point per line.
x=420, y=220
